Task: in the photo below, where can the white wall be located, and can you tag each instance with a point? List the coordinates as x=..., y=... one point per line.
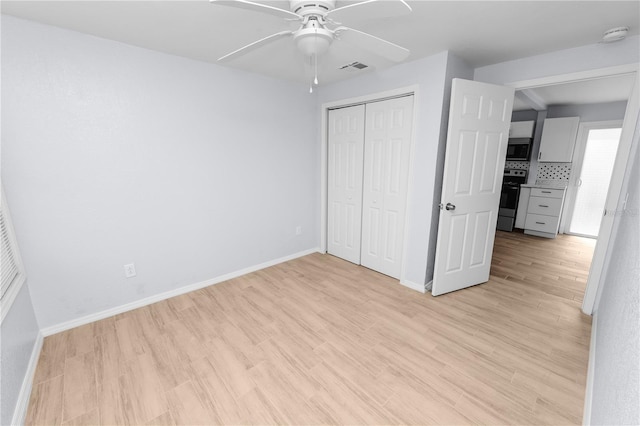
x=587, y=112
x=616, y=386
x=114, y=154
x=19, y=333
x=591, y=57
x=590, y=112
x=430, y=75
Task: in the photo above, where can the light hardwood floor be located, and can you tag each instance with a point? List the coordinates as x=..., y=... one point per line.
x=318, y=340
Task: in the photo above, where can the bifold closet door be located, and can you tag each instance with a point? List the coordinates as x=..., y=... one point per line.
x=388, y=127
x=344, y=182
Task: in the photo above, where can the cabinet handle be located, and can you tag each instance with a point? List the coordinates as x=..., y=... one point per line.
x=539, y=155
x=546, y=192
x=541, y=223
x=542, y=205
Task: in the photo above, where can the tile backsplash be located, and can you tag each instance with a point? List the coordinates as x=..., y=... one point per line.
x=553, y=174
x=519, y=165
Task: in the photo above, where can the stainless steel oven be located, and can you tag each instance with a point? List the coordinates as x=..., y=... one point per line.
x=511, y=182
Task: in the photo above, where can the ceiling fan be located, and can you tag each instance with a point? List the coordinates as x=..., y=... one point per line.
x=320, y=25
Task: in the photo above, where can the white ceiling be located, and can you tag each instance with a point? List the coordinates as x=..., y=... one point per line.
x=481, y=32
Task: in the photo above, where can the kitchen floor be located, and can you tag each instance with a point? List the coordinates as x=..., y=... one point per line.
x=557, y=266
x=320, y=340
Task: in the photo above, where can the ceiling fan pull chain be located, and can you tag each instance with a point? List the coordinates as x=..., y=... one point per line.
x=315, y=78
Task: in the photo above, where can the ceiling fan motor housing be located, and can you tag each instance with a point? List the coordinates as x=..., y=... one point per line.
x=311, y=7
x=313, y=39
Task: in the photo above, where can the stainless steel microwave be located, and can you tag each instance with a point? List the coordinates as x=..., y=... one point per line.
x=519, y=149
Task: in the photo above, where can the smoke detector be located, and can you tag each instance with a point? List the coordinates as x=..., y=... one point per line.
x=614, y=34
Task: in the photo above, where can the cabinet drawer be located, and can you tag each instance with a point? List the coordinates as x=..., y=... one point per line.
x=544, y=205
x=542, y=223
x=542, y=192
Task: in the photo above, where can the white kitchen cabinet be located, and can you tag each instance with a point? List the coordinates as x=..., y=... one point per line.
x=521, y=129
x=558, y=139
x=543, y=212
x=523, y=203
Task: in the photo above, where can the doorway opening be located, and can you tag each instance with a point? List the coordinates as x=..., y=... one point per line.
x=622, y=83
x=595, y=156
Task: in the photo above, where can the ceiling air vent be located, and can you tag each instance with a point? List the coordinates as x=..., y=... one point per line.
x=354, y=66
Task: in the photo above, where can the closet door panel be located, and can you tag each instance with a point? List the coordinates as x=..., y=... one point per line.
x=386, y=174
x=344, y=183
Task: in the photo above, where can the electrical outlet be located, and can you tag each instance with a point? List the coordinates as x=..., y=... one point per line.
x=298, y=230
x=130, y=270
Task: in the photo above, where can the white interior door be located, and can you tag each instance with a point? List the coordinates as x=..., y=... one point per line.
x=386, y=172
x=344, y=182
x=479, y=119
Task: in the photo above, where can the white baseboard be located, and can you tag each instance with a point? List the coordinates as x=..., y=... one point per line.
x=413, y=286
x=20, y=412
x=168, y=294
x=588, y=393
x=428, y=286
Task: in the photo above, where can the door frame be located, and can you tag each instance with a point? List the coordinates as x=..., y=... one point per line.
x=578, y=155
x=324, y=115
x=615, y=197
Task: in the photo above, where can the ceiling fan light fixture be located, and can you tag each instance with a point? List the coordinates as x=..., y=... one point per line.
x=614, y=34
x=313, y=41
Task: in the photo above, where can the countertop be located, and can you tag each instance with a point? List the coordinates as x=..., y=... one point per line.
x=543, y=186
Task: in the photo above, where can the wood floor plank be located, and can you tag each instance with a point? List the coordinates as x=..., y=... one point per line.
x=318, y=340
x=278, y=389
x=109, y=363
x=212, y=388
x=415, y=408
x=52, y=356
x=185, y=405
x=80, y=340
x=87, y=419
x=351, y=396
x=112, y=410
x=79, y=395
x=45, y=403
x=165, y=419
x=141, y=391
x=257, y=409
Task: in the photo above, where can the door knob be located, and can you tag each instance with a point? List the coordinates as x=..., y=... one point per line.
x=450, y=206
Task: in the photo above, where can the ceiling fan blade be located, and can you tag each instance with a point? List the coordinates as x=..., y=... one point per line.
x=253, y=46
x=258, y=7
x=376, y=45
x=369, y=9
